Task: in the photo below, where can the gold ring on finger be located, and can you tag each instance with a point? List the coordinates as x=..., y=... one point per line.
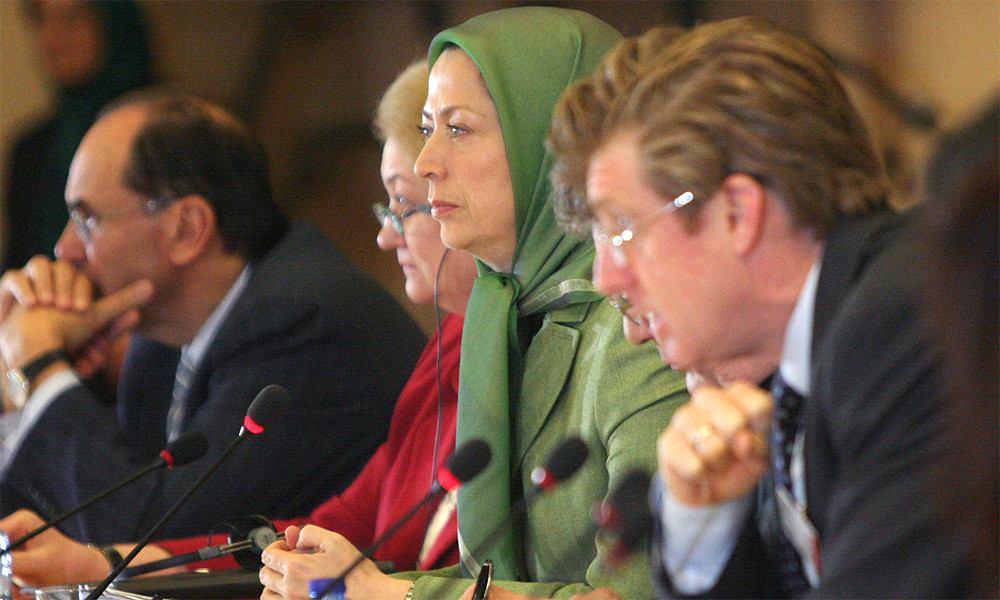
x=700, y=435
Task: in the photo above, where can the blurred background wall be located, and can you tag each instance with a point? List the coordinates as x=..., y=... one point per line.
x=306, y=77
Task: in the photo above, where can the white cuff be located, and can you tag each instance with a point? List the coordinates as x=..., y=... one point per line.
x=698, y=540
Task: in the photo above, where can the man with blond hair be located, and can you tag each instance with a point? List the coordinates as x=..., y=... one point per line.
x=737, y=201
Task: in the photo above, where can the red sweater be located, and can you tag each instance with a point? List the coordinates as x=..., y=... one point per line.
x=396, y=477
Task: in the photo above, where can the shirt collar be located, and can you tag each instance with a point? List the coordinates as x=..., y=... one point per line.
x=796, y=354
x=194, y=350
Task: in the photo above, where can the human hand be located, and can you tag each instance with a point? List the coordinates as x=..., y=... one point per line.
x=44, y=282
x=315, y=553
x=50, y=558
x=715, y=448
x=28, y=332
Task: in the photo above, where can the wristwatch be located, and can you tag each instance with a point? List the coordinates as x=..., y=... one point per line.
x=17, y=383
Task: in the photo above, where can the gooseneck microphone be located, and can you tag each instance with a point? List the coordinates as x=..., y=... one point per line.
x=626, y=514
x=467, y=462
x=623, y=519
x=565, y=460
x=187, y=448
x=270, y=403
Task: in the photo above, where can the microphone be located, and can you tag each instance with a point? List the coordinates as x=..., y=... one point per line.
x=270, y=403
x=269, y=406
x=467, y=462
x=565, y=460
x=187, y=448
x=626, y=512
x=623, y=519
x=256, y=541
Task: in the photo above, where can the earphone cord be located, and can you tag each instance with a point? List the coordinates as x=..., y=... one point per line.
x=437, y=369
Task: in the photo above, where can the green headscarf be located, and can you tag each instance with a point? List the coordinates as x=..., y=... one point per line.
x=528, y=56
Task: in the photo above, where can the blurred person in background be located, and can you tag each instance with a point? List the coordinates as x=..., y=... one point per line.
x=91, y=52
x=961, y=223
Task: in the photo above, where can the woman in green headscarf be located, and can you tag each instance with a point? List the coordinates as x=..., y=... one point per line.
x=543, y=355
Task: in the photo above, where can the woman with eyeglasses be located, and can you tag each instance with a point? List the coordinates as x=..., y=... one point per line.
x=543, y=354
x=422, y=434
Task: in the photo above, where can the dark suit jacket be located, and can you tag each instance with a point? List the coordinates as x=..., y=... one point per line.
x=309, y=321
x=872, y=425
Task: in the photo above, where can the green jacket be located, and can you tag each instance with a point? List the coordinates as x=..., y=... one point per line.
x=581, y=378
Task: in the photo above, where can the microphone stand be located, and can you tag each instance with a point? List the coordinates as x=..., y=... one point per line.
x=96, y=593
x=204, y=554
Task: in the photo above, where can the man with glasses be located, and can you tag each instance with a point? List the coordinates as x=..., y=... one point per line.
x=785, y=256
x=173, y=233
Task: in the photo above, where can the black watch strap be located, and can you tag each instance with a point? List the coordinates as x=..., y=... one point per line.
x=33, y=368
x=111, y=553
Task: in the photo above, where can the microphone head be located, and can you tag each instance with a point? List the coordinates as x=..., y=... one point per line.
x=634, y=519
x=625, y=503
x=467, y=462
x=188, y=448
x=564, y=461
x=270, y=403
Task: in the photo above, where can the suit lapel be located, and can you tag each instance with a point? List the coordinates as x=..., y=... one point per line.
x=548, y=365
x=144, y=393
x=845, y=254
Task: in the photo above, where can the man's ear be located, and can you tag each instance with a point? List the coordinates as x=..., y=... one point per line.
x=192, y=229
x=746, y=204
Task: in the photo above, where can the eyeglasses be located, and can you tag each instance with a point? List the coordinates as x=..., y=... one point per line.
x=622, y=304
x=383, y=213
x=629, y=230
x=87, y=223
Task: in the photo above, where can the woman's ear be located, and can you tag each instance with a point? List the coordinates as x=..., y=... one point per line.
x=745, y=203
x=193, y=228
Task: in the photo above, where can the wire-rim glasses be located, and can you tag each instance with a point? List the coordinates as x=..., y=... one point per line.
x=629, y=230
x=87, y=223
x=622, y=304
x=383, y=212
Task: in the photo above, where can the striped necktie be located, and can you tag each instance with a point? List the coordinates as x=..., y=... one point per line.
x=787, y=421
x=178, y=401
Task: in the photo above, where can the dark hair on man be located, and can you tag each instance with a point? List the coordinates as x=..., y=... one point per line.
x=192, y=147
